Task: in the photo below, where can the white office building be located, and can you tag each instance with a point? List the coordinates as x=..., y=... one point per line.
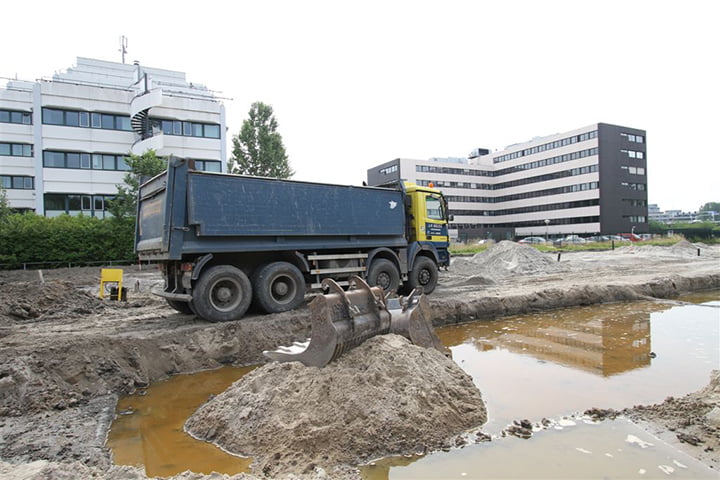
x=592, y=180
x=63, y=140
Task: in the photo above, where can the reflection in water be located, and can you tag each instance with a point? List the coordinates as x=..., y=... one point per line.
x=149, y=429
x=602, y=340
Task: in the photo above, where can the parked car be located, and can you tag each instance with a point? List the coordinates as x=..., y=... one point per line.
x=617, y=238
x=598, y=238
x=645, y=236
x=533, y=240
x=573, y=239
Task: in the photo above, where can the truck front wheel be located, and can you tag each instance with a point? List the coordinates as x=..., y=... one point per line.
x=278, y=287
x=424, y=274
x=383, y=273
x=222, y=293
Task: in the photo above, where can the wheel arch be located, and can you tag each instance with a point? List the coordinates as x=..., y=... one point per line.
x=422, y=249
x=387, y=254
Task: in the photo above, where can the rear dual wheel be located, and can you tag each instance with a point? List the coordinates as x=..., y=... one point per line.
x=222, y=293
x=278, y=287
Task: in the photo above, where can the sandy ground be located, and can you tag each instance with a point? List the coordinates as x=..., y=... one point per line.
x=66, y=356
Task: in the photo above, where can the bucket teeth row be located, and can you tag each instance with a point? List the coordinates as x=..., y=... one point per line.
x=342, y=320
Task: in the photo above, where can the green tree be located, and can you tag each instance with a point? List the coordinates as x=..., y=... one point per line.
x=711, y=207
x=258, y=150
x=5, y=210
x=141, y=167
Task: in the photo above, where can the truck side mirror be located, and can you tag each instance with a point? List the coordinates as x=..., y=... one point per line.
x=451, y=218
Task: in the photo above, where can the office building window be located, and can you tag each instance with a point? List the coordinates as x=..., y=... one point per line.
x=17, y=182
x=15, y=116
x=16, y=149
x=86, y=161
x=208, y=165
x=76, y=204
x=186, y=129
x=76, y=118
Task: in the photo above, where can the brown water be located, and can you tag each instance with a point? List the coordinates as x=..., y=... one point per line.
x=148, y=429
x=545, y=365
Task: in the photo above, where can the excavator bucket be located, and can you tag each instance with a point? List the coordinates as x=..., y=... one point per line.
x=342, y=320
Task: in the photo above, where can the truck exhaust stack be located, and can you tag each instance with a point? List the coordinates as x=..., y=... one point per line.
x=342, y=320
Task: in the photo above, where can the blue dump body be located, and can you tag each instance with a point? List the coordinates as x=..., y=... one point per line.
x=190, y=212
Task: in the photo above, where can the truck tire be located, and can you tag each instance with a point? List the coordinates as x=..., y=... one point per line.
x=383, y=273
x=182, y=307
x=424, y=274
x=222, y=293
x=278, y=287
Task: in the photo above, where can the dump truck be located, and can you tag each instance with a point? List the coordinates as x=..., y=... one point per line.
x=224, y=241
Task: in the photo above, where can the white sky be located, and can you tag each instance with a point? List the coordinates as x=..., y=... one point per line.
x=357, y=83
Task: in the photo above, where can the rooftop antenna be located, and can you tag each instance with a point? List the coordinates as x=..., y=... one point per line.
x=123, y=47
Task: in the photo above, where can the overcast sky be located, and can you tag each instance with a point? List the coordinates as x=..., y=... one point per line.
x=357, y=83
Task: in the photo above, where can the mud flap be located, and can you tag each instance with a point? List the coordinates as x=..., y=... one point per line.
x=342, y=320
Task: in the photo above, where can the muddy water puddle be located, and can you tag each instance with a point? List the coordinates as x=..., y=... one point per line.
x=148, y=429
x=546, y=365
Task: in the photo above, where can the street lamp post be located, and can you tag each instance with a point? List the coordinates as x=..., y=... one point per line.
x=547, y=222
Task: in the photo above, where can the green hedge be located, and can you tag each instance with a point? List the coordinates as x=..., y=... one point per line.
x=29, y=238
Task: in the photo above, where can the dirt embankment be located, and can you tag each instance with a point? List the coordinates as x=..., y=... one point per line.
x=385, y=397
x=65, y=355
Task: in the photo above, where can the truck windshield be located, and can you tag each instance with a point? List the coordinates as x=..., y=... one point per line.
x=434, y=207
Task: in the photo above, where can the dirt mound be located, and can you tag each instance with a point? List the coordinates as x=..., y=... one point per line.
x=386, y=397
x=510, y=258
x=30, y=301
x=683, y=248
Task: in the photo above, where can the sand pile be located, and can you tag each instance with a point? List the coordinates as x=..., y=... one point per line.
x=30, y=301
x=385, y=397
x=510, y=258
x=683, y=248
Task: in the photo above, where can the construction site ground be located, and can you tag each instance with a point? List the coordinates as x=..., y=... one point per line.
x=66, y=356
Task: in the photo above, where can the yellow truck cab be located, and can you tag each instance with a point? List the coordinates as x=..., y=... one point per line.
x=428, y=220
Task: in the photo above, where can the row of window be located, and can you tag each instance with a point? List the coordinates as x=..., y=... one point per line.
x=633, y=170
x=633, y=138
x=17, y=182
x=505, y=171
x=15, y=116
x=388, y=170
x=186, y=129
x=514, y=183
x=75, y=204
x=633, y=186
x=529, y=223
x=546, y=146
x=208, y=165
x=530, y=209
x=636, y=218
x=94, y=161
x=633, y=202
x=109, y=121
x=76, y=118
x=633, y=154
x=16, y=149
x=579, y=187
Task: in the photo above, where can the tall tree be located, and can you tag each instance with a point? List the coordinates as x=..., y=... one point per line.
x=711, y=207
x=258, y=149
x=141, y=167
x=5, y=209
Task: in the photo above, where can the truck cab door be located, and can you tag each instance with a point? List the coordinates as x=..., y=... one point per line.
x=428, y=219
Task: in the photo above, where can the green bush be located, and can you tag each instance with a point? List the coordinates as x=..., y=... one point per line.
x=29, y=238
